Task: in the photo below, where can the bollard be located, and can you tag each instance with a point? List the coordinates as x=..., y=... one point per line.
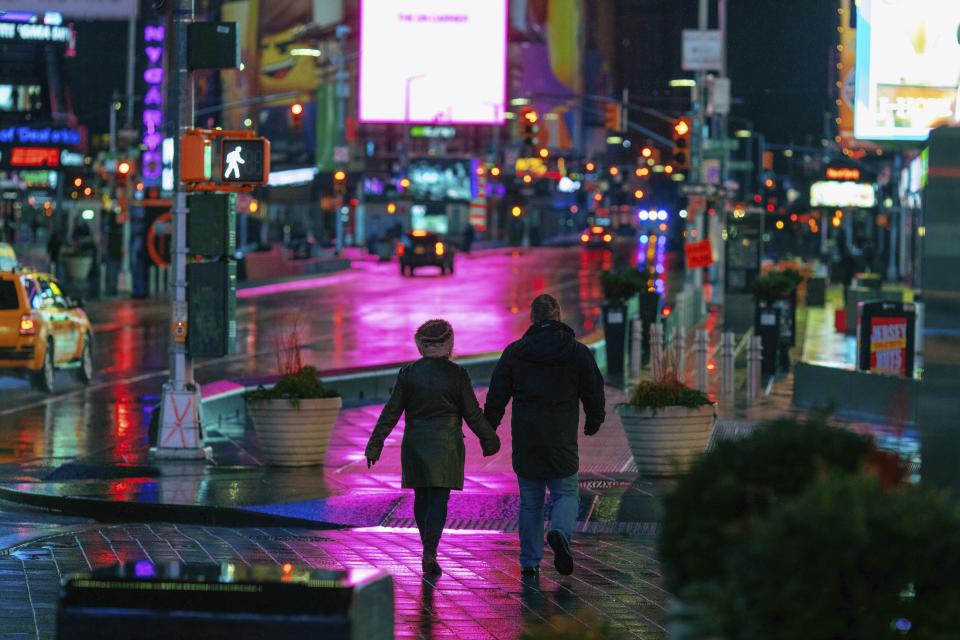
x=727, y=364
x=679, y=351
x=754, y=366
x=656, y=351
x=636, y=352
x=701, y=350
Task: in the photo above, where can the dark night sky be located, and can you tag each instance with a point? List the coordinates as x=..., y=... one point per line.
x=779, y=61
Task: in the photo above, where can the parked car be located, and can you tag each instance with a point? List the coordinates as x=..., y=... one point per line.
x=424, y=249
x=42, y=330
x=597, y=237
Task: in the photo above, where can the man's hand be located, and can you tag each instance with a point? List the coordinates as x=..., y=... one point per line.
x=370, y=462
x=591, y=429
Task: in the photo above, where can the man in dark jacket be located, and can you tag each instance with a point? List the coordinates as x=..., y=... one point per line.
x=548, y=374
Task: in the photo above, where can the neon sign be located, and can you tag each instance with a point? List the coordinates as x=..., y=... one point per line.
x=151, y=160
x=35, y=157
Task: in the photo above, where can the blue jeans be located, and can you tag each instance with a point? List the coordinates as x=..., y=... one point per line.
x=565, y=494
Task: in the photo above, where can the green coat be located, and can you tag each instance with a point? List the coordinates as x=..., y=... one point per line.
x=437, y=396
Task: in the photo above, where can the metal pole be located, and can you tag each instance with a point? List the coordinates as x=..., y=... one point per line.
x=754, y=364
x=131, y=67
x=656, y=351
x=701, y=347
x=679, y=353
x=180, y=406
x=727, y=368
x=636, y=340
x=343, y=91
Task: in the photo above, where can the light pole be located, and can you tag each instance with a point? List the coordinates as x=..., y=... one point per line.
x=180, y=404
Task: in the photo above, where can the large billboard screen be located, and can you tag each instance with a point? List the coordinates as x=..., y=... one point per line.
x=433, y=61
x=908, y=68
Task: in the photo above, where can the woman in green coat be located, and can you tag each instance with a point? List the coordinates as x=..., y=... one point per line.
x=437, y=396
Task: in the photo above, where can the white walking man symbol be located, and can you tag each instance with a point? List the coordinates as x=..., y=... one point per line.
x=234, y=160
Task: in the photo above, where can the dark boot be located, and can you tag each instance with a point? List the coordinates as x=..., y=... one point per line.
x=430, y=565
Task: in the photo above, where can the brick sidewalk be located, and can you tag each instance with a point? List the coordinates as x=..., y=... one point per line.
x=480, y=595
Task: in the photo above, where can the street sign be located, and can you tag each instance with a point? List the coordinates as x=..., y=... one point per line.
x=726, y=144
x=699, y=254
x=702, y=50
x=740, y=165
x=720, y=96
x=244, y=160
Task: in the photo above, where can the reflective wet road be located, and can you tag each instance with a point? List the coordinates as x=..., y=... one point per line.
x=360, y=317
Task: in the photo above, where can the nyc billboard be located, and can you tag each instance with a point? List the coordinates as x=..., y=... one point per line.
x=907, y=68
x=433, y=61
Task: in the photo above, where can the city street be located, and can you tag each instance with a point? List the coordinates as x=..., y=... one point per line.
x=360, y=317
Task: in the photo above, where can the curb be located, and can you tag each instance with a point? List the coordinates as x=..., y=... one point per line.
x=110, y=511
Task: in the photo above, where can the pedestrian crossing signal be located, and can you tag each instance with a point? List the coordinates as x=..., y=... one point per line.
x=244, y=160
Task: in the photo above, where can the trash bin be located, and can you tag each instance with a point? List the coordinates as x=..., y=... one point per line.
x=146, y=601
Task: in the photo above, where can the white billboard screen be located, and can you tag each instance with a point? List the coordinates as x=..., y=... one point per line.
x=842, y=194
x=433, y=61
x=907, y=68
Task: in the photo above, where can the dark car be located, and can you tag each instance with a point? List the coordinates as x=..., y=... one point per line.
x=424, y=249
x=596, y=237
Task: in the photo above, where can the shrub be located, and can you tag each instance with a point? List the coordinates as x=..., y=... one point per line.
x=847, y=559
x=773, y=286
x=730, y=487
x=303, y=384
x=667, y=392
x=618, y=286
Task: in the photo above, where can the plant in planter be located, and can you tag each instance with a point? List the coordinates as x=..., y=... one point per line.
x=294, y=418
x=78, y=261
x=667, y=423
x=618, y=287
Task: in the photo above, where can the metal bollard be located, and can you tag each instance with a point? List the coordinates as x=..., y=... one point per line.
x=656, y=351
x=701, y=350
x=727, y=364
x=636, y=351
x=679, y=351
x=754, y=365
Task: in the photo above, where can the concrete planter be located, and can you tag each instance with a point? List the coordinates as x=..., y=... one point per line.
x=665, y=443
x=294, y=436
x=77, y=267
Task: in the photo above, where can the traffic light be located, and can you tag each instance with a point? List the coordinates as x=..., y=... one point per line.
x=123, y=172
x=244, y=160
x=529, y=127
x=339, y=182
x=613, y=116
x=296, y=117
x=681, y=143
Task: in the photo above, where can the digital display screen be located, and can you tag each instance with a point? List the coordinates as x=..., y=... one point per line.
x=433, y=61
x=907, y=68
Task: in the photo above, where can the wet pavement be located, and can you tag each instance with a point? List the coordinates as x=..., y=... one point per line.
x=361, y=317
x=480, y=595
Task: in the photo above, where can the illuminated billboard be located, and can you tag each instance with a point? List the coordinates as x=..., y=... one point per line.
x=433, y=61
x=842, y=194
x=908, y=68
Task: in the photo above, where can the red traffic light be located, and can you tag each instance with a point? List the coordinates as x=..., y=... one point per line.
x=681, y=127
x=124, y=168
x=296, y=108
x=646, y=152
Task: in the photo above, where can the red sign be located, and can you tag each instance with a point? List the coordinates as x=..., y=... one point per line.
x=888, y=345
x=35, y=157
x=699, y=254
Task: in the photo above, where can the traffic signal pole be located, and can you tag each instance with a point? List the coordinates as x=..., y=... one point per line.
x=698, y=138
x=179, y=434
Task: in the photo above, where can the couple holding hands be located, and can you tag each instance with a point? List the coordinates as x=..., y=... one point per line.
x=548, y=374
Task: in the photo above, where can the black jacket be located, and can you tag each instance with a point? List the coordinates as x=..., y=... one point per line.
x=436, y=395
x=548, y=374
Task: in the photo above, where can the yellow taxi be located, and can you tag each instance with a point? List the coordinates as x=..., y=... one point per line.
x=42, y=329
